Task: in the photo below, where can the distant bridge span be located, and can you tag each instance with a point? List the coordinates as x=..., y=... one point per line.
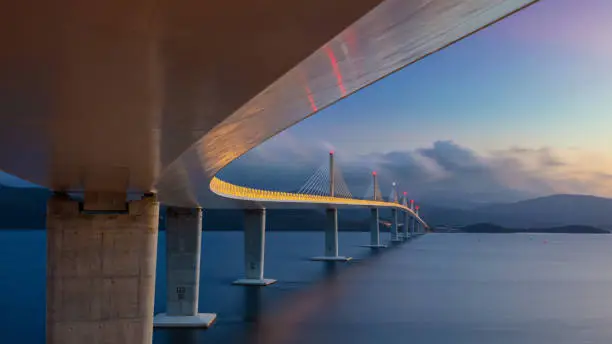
x=242, y=193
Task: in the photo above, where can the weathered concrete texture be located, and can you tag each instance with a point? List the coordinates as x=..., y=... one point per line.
x=100, y=273
x=183, y=250
x=183, y=245
x=254, y=248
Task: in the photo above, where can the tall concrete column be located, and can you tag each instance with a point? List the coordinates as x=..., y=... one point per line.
x=183, y=254
x=254, y=248
x=331, y=238
x=101, y=271
x=406, y=225
x=374, y=230
x=412, y=221
x=394, y=232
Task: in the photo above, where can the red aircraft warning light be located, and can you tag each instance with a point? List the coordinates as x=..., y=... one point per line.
x=331, y=152
x=405, y=193
x=373, y=173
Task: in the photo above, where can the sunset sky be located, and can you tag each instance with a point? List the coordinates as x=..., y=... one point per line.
x=521, y=109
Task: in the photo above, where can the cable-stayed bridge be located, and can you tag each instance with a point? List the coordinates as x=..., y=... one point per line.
x=326, y=186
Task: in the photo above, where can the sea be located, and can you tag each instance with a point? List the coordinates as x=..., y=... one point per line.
x=438, y=288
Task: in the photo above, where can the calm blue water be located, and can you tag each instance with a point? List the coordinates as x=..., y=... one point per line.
x=441, y=288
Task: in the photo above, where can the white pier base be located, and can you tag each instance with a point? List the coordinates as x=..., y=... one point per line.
x=254, y=249
x=254, y=282
x=375, y=246
x=199, y=320
x=332, y=259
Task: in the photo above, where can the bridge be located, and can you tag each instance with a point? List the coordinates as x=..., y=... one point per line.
x=326, y=187
x=129, y=104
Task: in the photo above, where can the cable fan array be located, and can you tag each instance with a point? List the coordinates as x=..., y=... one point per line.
x=318, y=184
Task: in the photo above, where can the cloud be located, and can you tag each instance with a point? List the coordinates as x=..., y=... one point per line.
x=444, y=173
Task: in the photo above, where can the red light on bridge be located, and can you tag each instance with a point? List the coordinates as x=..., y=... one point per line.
x=417, y=207
x=411, y=201
x=405, y=193
x=374, y=173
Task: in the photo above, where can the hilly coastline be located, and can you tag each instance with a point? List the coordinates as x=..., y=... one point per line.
x=492, y=228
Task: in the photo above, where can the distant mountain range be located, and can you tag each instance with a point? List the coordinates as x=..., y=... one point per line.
x=491, y=228
x=549, y=211
x=26, y=208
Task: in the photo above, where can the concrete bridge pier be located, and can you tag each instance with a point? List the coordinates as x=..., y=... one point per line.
x=101, y=256
x=394, y=230
x=406, y=225
x=374, y=230
x=331, y=238
x=254, y=248
x=183, y=255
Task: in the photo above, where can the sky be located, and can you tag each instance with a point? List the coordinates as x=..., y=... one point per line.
x=518, y=110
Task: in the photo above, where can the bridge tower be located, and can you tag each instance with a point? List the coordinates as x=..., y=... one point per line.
x=331, y=221
x=331, y=173
x=418, y=224
x=412, y=219
x=394, y=225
